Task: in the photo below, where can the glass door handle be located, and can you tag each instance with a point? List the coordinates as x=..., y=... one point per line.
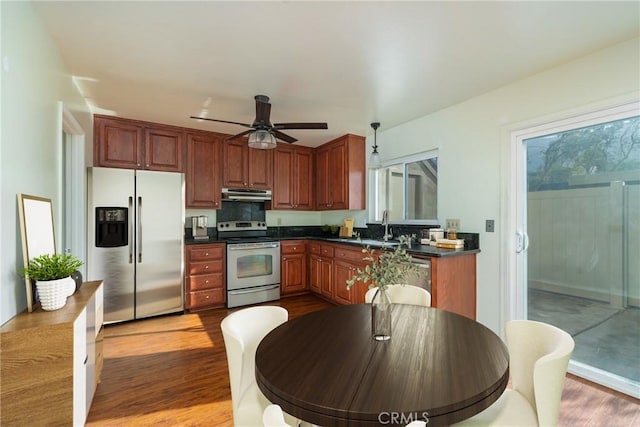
x=522, y=242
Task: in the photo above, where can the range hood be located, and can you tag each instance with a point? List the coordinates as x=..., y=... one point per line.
x=245, y=194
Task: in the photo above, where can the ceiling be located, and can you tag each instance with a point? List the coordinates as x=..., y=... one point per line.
x=346, y=63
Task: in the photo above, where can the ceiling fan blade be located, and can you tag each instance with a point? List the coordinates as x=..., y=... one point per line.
x=283, y=136
x=221, y=121
x=263, y=111
x=240, y=134
x=300, y=126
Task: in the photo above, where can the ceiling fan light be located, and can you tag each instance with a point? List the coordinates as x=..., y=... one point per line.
x=262, y=140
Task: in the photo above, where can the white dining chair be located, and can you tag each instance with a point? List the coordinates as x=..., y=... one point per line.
x=539, y=354
x=274, y=417
x=403, y=294
x=242, y=332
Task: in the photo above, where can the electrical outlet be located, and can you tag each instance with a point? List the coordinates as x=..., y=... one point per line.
x=490, y=226
x=453, y=224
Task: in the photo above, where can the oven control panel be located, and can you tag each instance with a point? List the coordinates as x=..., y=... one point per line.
x=242, y=226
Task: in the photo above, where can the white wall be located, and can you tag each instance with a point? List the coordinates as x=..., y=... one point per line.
x=34, y=81
x=471, y=136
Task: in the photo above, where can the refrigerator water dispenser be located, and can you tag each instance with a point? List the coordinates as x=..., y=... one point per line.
x=112, y=224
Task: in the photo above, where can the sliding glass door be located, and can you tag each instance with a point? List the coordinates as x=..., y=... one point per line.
x=579, y=251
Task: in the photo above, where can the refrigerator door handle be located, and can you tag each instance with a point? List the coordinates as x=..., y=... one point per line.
x=139, y=242
x=130, y=230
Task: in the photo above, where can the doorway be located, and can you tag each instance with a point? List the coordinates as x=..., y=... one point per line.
x=73, y=188
x=578, y=216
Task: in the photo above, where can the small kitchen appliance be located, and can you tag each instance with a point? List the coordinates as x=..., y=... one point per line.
x=199, y=227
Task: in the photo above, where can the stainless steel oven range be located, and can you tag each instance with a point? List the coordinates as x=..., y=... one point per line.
x=253, y=263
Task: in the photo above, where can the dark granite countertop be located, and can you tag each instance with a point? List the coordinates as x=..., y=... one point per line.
x=415, y=249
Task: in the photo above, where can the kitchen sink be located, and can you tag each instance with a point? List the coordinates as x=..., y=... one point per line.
x=379, y=243
x=370, y=242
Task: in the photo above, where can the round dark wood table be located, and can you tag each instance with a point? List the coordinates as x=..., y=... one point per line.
x=326, y=369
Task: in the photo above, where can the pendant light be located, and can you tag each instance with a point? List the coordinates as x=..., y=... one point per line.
x=374, y=159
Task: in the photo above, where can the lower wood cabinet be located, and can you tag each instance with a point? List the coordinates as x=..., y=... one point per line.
x=321, y=269
x=453, y=278
x=50, y=361
x=293, y=272
x=205, y=281
x=348, y=260
x=453, y=284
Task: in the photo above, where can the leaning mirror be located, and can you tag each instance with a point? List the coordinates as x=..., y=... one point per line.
x=38, y=238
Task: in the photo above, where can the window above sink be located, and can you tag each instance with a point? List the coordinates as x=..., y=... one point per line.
x=408, y=189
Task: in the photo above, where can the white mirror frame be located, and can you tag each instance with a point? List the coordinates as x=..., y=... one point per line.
x=38, y=237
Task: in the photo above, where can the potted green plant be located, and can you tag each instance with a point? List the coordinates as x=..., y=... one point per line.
x=52, y=273
x=389, y=268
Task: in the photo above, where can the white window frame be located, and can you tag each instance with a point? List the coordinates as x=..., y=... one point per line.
x=375, y=215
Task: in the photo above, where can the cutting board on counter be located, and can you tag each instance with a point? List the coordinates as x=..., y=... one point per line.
x=347, y=229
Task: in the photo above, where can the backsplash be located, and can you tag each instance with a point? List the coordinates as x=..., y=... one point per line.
x=372, y=231
x=241, y=211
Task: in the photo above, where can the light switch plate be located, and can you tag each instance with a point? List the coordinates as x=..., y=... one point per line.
x=490, y=226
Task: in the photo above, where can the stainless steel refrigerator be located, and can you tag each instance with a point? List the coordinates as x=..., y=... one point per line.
x=135, y=241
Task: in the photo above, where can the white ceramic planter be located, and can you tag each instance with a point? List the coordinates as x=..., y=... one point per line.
x=53, y=293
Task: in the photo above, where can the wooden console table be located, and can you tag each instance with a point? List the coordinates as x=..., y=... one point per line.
x=50, y=361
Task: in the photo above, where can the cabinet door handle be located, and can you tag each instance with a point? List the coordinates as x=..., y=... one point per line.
x=206, y=267
x=206, y=254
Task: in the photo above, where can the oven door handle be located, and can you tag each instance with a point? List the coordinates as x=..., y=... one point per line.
x=252, y=290
x=250, y=246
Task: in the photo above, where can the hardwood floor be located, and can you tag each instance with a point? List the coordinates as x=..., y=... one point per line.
x=172, y=370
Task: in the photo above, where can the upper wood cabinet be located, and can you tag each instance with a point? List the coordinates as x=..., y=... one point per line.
x=245, y=167
x=292, y=178
x=340, y=174
x=132, y=144
x=203, y=180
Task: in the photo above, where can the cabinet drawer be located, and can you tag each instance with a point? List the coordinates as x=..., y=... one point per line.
x=206, y=281
x=326, y=250
x=351, y=254
x=206, y=253
x=206, y=298
x=297, y=247
x=206, y=267
x=314, y=248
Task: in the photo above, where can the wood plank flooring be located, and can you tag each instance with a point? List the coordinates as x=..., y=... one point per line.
x=172, y=371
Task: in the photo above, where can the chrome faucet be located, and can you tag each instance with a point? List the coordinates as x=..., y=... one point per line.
x=385, y=221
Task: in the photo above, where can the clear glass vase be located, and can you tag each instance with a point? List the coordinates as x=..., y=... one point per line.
x=381, y=315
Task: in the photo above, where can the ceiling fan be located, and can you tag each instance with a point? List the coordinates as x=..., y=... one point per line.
x=262, y=126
